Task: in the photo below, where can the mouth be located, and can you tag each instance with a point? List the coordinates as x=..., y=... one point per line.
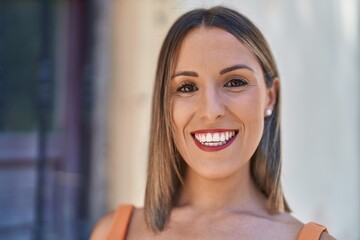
x=214, y=139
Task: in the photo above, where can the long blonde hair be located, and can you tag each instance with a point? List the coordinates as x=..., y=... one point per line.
x=166, y=166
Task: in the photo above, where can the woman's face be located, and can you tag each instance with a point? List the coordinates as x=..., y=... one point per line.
x=218, y=103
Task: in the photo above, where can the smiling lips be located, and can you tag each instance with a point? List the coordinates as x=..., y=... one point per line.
x=214, y=140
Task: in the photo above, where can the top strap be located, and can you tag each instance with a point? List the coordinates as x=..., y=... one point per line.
x=120, y=222
x=311, y=231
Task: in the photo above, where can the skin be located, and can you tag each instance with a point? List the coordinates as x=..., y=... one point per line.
x=214, y=104
x=219, y=199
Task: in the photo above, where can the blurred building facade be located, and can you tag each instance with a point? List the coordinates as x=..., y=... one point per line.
x=46, y=64
x=76, y=81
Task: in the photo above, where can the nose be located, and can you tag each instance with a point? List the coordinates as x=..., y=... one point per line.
x=212, y=105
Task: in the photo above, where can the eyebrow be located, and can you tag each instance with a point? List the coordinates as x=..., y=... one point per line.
x=235, y=67
x=225, y=70
x=185, y=73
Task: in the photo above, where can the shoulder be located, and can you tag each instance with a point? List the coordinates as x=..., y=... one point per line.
x=102, y=227
x=287, y=221
x=290, y=226
x=313, y=228
x=326, y=236
x=137, y=227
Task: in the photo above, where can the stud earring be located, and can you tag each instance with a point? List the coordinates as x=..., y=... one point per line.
x=268, y=112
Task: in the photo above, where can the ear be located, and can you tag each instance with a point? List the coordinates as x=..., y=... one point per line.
x=271, y=95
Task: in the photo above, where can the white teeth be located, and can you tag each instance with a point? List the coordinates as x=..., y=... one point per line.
x=214, y=139
x=212, y=144
x=208, y=137
x=198, y=137
x=222, y=137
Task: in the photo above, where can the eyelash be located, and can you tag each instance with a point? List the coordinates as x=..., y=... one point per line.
x=236, y=83
x=187, y=85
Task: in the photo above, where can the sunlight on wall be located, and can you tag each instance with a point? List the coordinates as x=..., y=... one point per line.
x=349, y=18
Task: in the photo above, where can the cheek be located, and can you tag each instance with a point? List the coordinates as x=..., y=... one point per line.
x=181, y=113
x=255, y=118
x=182, y=110
x=247, y=106
x=180, y=118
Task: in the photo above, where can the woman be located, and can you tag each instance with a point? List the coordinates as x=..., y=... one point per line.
x=214, y=157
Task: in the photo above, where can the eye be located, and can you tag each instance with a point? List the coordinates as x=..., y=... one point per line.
x=187, y=88
x=235, y=83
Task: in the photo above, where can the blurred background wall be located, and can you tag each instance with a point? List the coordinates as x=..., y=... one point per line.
x=76, y=82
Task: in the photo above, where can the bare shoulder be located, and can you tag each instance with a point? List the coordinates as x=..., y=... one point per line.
x=138, y=228
x=102, y=227
x=326, y=236
x=290, y=221
x=285, y=226
x=298, y=225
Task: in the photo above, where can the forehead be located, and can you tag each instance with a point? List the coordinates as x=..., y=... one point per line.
x=213, y=46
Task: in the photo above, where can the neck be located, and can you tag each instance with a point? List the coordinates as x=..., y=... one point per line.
x=231, y=193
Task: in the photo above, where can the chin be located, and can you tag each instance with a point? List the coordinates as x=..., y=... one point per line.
x=218, y=171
